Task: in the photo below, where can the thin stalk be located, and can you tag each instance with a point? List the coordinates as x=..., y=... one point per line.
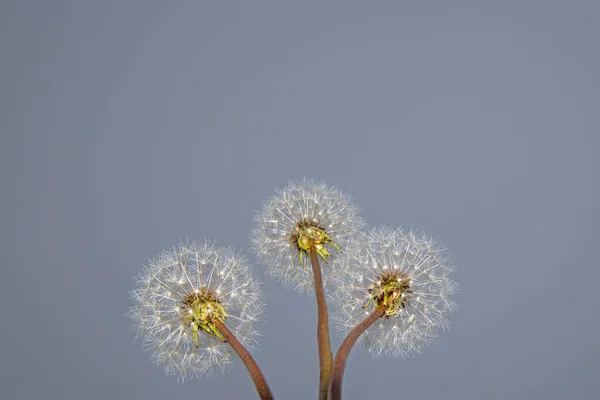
x=323, y=340
x=335, y=386
x=264, y=393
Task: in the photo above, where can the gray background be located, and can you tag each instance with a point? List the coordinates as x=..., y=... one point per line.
x=127, y=125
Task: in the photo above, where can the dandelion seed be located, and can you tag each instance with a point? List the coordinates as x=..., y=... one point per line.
x=181, y=329
x=303, y=214
x=415, y=296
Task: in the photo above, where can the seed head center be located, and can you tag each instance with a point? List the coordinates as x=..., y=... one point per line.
x=307, y=234
x=391, y=291
x=200, y=309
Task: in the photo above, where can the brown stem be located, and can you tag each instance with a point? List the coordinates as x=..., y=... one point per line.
x=335, y=386
x=322, y=326
x=264, y=393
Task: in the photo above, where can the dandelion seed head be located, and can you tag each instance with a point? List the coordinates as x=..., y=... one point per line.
x=305, y=213
x=416, y=296
x=180, y=293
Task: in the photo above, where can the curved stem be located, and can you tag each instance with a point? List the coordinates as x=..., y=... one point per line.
x=335, y=386
x=264, y=393
x=323, y=341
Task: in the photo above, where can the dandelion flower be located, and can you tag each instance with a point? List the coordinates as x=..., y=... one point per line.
x=406, y=275
x=305, y=213
x=181, y=299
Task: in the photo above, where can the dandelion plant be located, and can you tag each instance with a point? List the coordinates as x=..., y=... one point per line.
x=198, y=301
x=192, y=304
x=307, y=220
x=397, y=285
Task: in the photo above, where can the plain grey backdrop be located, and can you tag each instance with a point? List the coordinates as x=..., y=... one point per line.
x=126, y=125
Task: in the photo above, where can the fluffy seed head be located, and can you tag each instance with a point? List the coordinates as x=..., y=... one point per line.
x=304, y=214
x=407, y=275
x=178, y=297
